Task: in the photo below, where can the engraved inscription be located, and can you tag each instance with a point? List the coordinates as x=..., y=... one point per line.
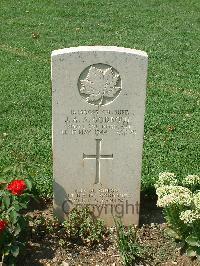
x=97, y=196
x=99, y=84
x=98, y=158
x=101, y=201
x=99, y=122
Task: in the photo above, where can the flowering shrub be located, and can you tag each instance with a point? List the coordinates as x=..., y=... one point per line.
x=14, y=197
x=181, y=203
x=173, y=195
x=166, y=179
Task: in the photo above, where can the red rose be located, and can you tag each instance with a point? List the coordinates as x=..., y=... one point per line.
x=17, y=187
x=3, y=225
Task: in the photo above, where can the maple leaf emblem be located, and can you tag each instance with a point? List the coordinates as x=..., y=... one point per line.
x=100, y=85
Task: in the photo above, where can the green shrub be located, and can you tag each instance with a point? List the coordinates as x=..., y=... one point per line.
x=129, y=248
x=181, y=203
x=82, y=225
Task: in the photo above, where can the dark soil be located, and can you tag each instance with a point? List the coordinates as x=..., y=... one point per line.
x=49, y=246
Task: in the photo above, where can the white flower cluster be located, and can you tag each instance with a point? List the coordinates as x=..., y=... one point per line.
x=189, y=216
x=196, y=200
x=191, y=180
x=169, y=195
x=166, y=178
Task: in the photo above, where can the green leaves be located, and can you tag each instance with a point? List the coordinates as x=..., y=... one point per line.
x=17, y=230
x=2, y=180
x=28, y=183
x=193, y=241
x=194, y=246
x=13, y=216
x=14, y=251
x=170, y=232
x=6, y=201
x=193, y=252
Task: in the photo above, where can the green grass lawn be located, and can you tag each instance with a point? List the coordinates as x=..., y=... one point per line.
x=168, y=30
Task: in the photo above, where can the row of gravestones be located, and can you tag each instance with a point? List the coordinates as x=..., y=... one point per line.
x=98, y=123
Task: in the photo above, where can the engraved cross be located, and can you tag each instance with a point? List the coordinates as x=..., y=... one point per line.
x=98, y=158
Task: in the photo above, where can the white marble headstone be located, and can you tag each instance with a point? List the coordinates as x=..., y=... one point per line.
x=98, y=120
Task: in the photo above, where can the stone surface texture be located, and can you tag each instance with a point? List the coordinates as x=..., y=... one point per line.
x=98, y=121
